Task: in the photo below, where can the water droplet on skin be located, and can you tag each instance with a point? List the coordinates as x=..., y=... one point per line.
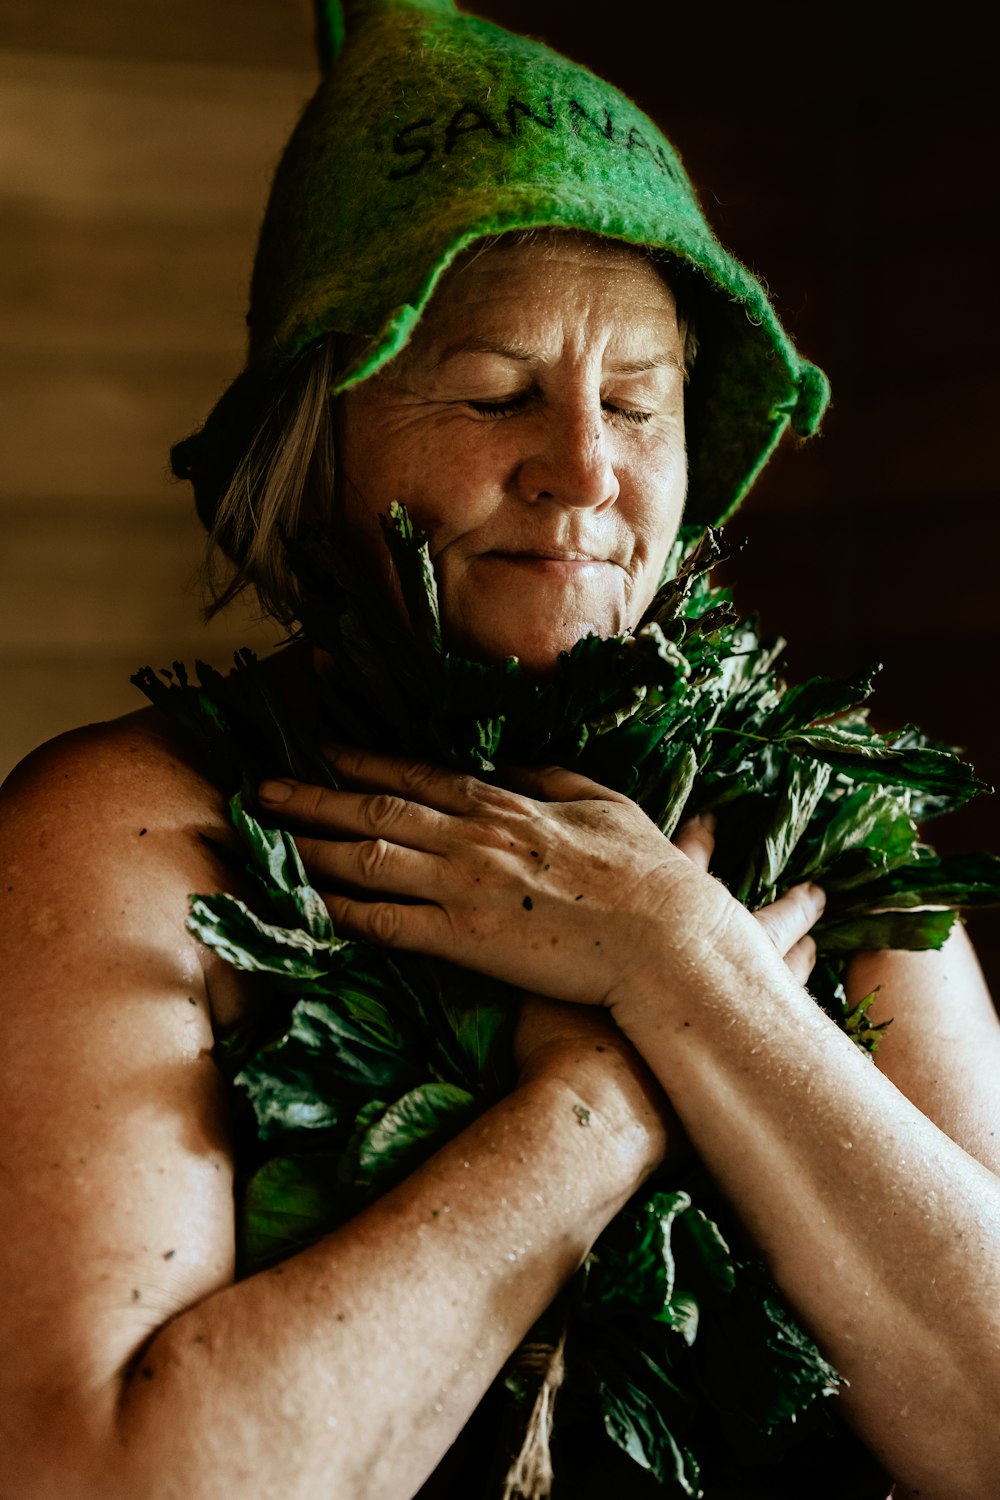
x=847, y=1145
x=438, y=1406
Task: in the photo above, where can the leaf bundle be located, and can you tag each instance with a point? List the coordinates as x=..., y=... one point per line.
x=681, y=1371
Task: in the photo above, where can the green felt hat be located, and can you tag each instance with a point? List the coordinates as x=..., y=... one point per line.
x=432, y=129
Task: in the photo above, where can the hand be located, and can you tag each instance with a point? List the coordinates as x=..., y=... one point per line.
x=560, y=887
x=786, y=921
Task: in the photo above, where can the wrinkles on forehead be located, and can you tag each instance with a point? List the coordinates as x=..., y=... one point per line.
x=508, y=303
x=525, y=353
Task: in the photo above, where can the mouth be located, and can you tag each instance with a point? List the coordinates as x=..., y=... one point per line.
x=559, y=558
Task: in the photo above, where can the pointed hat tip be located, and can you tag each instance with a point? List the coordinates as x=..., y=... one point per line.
x=335, y=18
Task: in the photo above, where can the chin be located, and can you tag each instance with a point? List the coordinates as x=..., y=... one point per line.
x=538, y=652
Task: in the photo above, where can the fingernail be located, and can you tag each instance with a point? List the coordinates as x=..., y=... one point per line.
x=275, y=791
x=817, y=895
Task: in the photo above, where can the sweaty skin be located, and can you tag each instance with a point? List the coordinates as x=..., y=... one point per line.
x=548, y=468
x=881, y=1230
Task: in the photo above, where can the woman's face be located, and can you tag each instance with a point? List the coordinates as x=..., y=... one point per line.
x=533, y=427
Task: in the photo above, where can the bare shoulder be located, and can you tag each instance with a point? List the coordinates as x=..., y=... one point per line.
x=104, y=777
x=113, y=1120
x=105, y=831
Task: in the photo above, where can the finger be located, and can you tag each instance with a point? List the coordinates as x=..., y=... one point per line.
x=375, y=865
x=415, y=780
x=387, y=924
x=556, y=784
x=696, y=838
x=354, y=815
x=790, y=917
x=801, y=959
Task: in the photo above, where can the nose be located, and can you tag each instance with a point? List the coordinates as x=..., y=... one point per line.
x=570, y=460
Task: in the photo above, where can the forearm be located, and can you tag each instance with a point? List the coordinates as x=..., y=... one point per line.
x=351, y=1368
x=881, y=1231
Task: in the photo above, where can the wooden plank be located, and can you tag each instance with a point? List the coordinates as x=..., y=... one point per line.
x=102, y=579
x=44, y=696
x=179, y=144
x=101, y=430
x=123, y=285
x=267, y=32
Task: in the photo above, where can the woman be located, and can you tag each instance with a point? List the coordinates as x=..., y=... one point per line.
x=529, y=406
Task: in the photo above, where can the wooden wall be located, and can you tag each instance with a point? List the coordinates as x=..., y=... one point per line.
x=136, y=145
x=847, y=153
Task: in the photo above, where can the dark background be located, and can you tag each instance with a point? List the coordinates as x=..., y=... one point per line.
x=847, y=154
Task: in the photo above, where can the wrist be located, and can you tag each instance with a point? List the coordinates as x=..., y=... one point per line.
x=603, y=1098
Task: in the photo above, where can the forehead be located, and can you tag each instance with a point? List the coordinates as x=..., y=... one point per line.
x=548, y=286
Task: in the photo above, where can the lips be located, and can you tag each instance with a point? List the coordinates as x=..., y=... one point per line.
x=548, y=554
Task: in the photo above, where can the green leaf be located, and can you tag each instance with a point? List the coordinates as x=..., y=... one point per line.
x=634, y=1255
x=312, y=1076
x=408, y=1131
x=277, y=864
x=290, y=1203
x=896, y=765
x=709, y=1259
x=868, y=817
x=761, y=1371
x=888, y=929
x=241, y=938
x=819, y=698
x=633, y=1421
x=660, y=1257
x=856, y=1024
x=411, y=555
x=795, y=799
x=957, y=880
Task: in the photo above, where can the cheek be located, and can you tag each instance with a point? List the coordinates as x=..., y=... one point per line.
x=661, y=487
x=443, y=472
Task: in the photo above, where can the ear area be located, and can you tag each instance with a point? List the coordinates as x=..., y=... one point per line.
x=329, y=33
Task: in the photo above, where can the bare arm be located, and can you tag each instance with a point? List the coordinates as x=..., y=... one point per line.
x=131, y=1365
x=882, y=1230
x=941, y=1048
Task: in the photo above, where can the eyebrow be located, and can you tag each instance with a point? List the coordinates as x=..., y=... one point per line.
x=524, y=354
x=479, y=344
x=641, y=366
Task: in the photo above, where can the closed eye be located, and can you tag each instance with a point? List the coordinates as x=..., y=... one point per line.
x=627, y=414
x=501, y=408
x=518, y=403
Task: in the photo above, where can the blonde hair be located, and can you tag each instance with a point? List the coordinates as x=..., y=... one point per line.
x=285, y=476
